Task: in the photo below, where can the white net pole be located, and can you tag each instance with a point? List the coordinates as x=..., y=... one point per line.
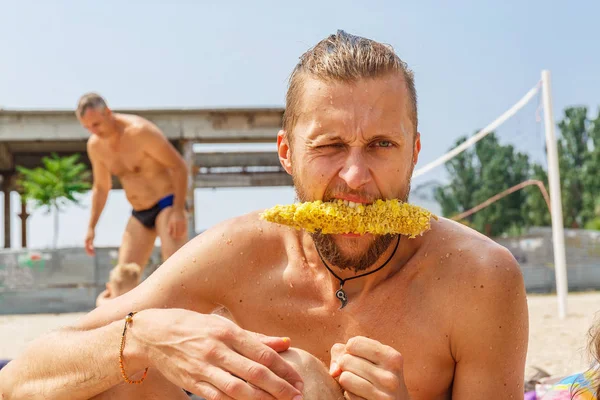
x=479, y=135
x=558, y=237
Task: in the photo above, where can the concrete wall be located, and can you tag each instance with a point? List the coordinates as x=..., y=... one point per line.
x=534, y=252
x=68, y=280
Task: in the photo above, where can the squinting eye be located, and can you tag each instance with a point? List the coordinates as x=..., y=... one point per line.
x=331, y=145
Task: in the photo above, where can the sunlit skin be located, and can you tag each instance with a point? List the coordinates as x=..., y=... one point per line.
x=354, y=142
x=148, y=168
x=99, y=123
x=446, y=318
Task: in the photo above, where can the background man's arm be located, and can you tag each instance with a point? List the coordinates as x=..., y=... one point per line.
x=159, y=148
x=101, y=186
x=490, y=335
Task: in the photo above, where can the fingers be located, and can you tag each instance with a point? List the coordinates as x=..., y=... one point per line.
x=236, y=388
x=337, y=351
x=278, y=344
x=376, y=376
x=209, y=392
x=375, y=352
x=359, y=387
x=351, y=396
x=259, y=376
x=89, y=247
x=177, y=229
x=256, y=351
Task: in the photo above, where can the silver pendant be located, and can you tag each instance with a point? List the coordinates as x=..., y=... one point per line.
x=340, y=294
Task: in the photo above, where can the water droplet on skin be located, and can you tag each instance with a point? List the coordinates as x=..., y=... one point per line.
x=194, y=259
x=269, y=277
x=258, y=282
x=447, y=255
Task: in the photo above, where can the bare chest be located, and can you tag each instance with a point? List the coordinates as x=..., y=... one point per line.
x=126, y=160
x=397, y=315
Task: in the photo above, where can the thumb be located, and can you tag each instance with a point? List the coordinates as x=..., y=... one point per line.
x=337, y=350
x=279, y=344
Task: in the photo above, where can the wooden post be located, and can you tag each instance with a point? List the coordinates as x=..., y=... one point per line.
x=187, y=150
x=6, y=187
x=23, y=215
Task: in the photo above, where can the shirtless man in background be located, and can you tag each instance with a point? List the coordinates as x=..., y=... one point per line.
x=152, y=173
x=445, y=318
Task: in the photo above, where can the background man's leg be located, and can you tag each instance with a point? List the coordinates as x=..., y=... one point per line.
x=168, y=244
x=137, y=243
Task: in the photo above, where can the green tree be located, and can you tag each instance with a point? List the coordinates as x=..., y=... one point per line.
x=535, y=209
x=488, y=168
x=572, y=146
x=591, y=173
x=500, y=168
x=479, y=173
x=54, y=185
x=458, y=196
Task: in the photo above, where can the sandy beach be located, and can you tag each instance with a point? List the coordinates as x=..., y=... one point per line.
x=557, y=346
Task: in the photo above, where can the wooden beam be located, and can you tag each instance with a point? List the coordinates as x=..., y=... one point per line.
x=207, y=126
x=237, y=159
x=6, y=158
x=243, y=180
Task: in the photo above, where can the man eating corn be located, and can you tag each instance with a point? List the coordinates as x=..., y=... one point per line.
x=350, y=293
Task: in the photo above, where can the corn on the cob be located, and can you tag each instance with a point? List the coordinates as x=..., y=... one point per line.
x=380, y=218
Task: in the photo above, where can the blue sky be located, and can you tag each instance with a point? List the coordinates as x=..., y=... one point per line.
x=472, y=61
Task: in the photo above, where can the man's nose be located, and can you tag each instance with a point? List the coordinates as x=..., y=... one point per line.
x=355, y=172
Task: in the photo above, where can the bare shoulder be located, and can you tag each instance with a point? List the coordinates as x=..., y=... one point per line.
x=136, y=126
x=486, y=286
x=93, y=144
x=471, y=255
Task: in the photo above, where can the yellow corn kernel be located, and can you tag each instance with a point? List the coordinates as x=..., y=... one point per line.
x=380, y=218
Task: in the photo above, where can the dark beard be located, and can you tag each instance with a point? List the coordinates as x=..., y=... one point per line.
x=331, y=252
x=329, y=249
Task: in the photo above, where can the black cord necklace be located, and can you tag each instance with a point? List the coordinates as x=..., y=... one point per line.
x=340, y=294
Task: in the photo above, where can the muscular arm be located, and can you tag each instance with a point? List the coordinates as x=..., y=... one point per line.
x=80, y=361
x=490, y=335
x=102, y=184
x=158, y=147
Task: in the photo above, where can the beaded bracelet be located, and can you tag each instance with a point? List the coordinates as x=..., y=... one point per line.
x=128, y=319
